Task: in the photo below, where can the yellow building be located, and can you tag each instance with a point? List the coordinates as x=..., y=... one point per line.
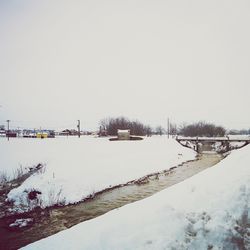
x=41, y=135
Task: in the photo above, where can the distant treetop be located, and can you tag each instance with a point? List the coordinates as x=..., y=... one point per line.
x=202, y=128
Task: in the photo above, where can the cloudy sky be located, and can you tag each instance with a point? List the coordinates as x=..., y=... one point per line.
x=61, y=61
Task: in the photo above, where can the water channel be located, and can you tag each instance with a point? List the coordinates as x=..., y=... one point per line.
x=52, y=220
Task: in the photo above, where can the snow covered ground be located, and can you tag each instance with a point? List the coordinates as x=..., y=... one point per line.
x=207, y=211
x=236, y=137
x=77, y=168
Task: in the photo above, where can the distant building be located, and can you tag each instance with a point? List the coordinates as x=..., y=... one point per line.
x=65, y=132
x=69, y=132
x=123, y=134
x=11, y=134
x=41, y=135
x=50, y=133
x=2, y=133
x=28, y=133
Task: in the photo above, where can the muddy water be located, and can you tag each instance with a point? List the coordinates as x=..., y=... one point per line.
x=53, y=220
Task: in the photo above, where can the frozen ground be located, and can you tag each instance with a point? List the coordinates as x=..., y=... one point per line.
x=77, y=168
x=208, y=211
x=232, y=137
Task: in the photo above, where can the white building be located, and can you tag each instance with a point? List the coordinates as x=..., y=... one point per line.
x=123, y=134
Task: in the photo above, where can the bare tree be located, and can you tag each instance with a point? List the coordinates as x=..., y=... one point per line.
x=159, y=130
x=111, y=125
x=201, y=129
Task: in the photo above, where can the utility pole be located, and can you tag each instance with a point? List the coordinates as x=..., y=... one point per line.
x=41, y=132
x=8, y=131
x=78, y=127
x=168, y=128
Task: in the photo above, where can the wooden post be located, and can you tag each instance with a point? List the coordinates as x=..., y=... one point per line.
x=8, y=131
x=78, y=127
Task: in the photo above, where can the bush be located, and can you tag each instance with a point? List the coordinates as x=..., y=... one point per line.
x=111, y=125
x=202, y=129
x=4, y=178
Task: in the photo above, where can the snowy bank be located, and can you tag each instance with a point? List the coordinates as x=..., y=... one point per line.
x=208, y=211
x=77, y=168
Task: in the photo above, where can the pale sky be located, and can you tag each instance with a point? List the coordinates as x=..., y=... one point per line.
x=61, y=61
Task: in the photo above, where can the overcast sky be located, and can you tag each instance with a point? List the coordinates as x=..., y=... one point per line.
x=61, y=61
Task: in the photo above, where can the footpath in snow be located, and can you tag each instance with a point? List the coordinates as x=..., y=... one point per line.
x=77, y=168
x=208, y=211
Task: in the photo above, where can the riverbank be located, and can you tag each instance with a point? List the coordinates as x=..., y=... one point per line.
x=76, y=169
x=207, y=211
x=52, y=220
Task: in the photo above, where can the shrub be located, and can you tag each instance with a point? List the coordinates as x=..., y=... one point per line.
x=202, y=129
x=111, y=125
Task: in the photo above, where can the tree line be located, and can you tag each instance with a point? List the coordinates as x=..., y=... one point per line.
x=109, y=126
x=201, y=129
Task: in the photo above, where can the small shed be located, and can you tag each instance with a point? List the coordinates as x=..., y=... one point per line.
x=123, y=134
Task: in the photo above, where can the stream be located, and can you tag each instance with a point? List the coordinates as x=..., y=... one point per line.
x=49, y=221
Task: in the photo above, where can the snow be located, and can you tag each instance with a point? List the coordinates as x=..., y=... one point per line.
x=77, y=168
x=239, y=137
x=203, y=138
x=21, y=222
x=231, y=137
x=207, y=211
x=123, y=131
